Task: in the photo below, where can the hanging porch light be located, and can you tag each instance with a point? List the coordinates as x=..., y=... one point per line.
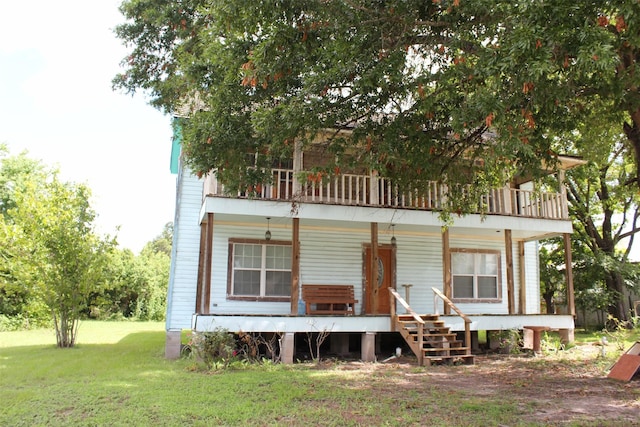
x=394, y=242
x=267, y=234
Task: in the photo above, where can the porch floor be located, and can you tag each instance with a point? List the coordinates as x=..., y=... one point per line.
x=367, y=323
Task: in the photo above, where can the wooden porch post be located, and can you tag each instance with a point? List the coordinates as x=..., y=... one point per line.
x=563, y=192
x=297, y=167
x=203, y=286
x=374, y=268
x=373, y=189
x=446, y=269
x=571, y=305
x=507, y=207
x=522, y=296
x=206, y=300
x=201, y=258
x=508, y=246
x=295, y=266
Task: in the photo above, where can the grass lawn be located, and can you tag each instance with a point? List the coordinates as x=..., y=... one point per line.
x=117, y=376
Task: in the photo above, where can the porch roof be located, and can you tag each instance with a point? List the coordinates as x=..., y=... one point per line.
x=245, y=211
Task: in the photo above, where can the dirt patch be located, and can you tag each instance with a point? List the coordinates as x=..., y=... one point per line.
x=571, y=387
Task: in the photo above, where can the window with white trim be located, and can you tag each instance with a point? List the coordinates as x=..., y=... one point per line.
x=475, y=274
x=260, y=270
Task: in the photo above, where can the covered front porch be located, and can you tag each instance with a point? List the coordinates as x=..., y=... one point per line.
x=335, y=245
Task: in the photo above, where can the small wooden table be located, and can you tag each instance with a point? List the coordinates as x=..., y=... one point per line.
x=536, y=335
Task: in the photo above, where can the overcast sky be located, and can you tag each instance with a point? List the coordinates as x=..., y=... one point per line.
x=57, y=59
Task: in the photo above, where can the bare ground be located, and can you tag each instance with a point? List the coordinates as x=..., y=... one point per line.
x=571, y=387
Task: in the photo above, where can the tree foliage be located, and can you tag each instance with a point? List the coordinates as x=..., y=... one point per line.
x=407, y=88
x=605, y=212
x=54, y=267
x=51, y=256
x=17, y=300
x=137, y=284
x=161, y=244
x=416, y=83
x=67, y=257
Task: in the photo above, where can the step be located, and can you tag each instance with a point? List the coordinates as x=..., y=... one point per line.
x=448, y=337
x=443, y=332
x=427, y=328
x=436, y=330
x=456, y=350
x=422, y=316
x=427, y=324
x=450, y=343
x=432, y=346
x=441, y=335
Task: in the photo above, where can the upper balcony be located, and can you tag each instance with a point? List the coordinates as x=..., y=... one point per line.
x=375, y=191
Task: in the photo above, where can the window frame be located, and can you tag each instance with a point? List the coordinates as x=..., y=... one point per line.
x=498, y=275
x=230, y=271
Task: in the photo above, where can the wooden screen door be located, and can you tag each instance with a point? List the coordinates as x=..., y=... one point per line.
x=378, y=300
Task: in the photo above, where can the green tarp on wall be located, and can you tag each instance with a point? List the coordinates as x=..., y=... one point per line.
x=175, y=146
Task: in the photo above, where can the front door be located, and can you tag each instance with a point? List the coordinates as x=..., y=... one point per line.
x=378, y=300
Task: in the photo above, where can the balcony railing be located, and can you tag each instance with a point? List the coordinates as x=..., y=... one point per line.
x=372, y=190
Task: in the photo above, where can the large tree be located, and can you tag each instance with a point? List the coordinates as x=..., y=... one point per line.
x=67, y=257
x=17, y=301
x=419, y=82
x=51, y=258
x=578, y=56
x=605, y=212
x=416, y=83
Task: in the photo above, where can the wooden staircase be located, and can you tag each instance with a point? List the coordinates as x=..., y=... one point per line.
x=437, y=344
x=428, y=337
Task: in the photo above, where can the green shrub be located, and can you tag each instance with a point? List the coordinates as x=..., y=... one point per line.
x=216, y=348
x=618, y=331
x=510, y=341
x=551, y=344
x=20, y=322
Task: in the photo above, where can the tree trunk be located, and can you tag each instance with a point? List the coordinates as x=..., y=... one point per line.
x=65, y=330
x=632, y=131
x=548, y=301
x=616, y=286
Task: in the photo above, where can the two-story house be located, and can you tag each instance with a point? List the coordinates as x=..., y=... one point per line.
x=247, y=261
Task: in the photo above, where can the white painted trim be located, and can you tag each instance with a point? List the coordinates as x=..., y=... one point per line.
x=522, y=228
x=282, y=324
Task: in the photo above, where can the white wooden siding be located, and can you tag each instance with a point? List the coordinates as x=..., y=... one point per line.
x=334, y=256
x=219, y=269
x=532, y=277
x=326, y=257
x=419, y=263
x=186, y=245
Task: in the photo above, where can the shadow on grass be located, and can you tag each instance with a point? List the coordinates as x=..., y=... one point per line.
x=33, y=362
